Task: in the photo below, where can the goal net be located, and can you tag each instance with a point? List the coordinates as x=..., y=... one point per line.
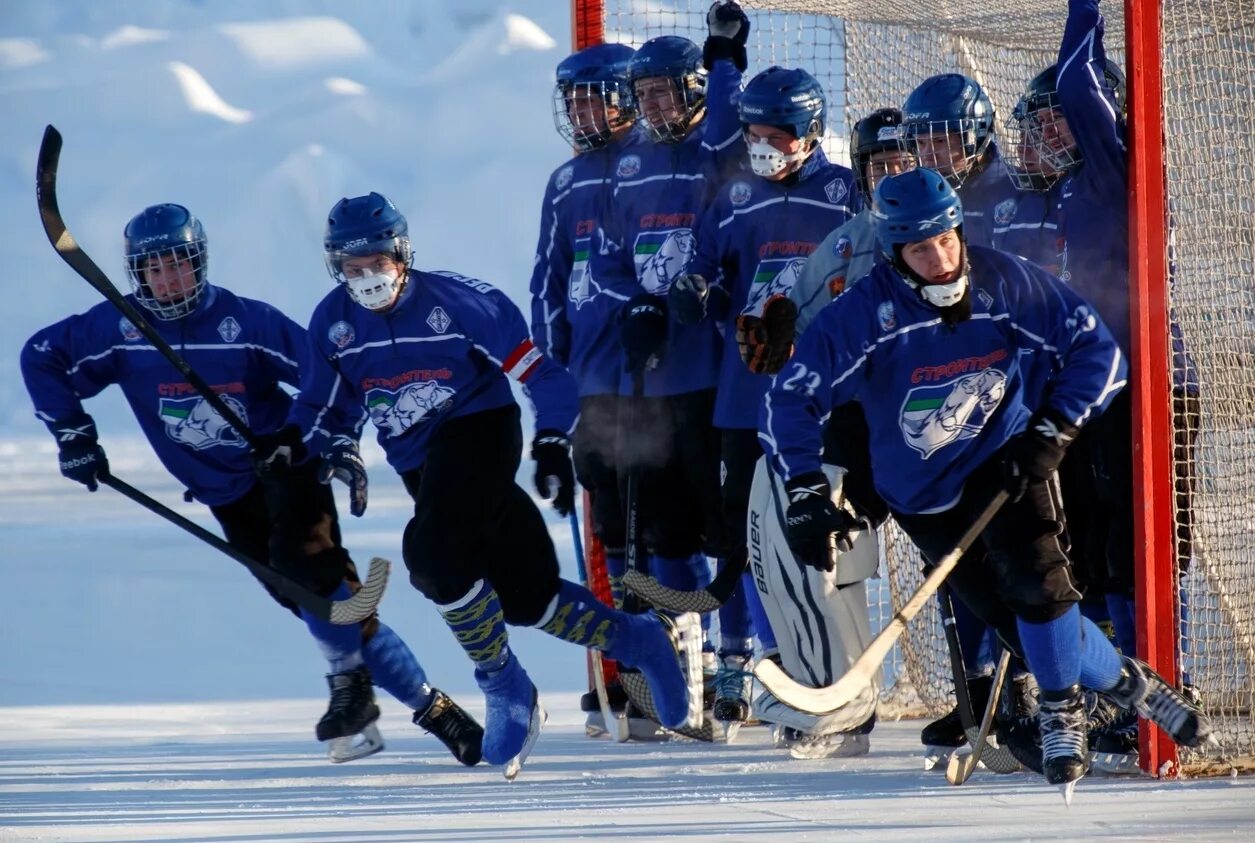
x=870, y=54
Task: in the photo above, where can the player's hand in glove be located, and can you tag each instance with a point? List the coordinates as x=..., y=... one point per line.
x=343, y=461
x=812, y=517
x=643, y=332
x=78, y=450
x=687, y=299
x=766, y=343
x=1035, y=453
x=729, y=29
x=277, y=452
x=555, y=477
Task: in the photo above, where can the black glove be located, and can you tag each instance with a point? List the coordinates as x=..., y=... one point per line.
x=343, y=461
x=687, y=299
x=78, y=450
x=643, y=332
x=766, y=343
x=729, y=29
x=812, y=517
x=276, y=452
x=1035, y=453
x=554, y=475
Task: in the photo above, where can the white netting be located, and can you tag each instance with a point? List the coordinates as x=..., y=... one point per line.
x=872, y=53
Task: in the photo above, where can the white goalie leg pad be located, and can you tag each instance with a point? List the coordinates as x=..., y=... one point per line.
x=352, y=747
x=820, y=619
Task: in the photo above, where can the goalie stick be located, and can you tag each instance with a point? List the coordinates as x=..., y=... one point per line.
x=848, y=688
x=358, y=607
x=962, y=764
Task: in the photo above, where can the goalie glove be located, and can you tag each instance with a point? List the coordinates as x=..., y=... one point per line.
x=766, y=343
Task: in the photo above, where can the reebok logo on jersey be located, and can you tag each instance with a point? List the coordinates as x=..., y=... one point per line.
x=43, y=347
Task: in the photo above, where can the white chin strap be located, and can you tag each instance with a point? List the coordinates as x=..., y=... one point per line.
x=374, y=292
x=943, y=295
x=767, y=161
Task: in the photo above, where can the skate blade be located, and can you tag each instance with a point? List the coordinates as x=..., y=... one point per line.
x=726, y=730
x=595, y=725
x=534, y=725
x=1068, y=788
x=340, y=750
x=852, y=746
x=1115, y=763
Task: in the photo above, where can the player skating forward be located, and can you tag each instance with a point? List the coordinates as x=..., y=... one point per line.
x=949, y=350
x=245, y=348
x=751, y=245
x=429, y=356
x=574, y=317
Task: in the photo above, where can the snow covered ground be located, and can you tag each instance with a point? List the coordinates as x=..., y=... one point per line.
x=149, y=690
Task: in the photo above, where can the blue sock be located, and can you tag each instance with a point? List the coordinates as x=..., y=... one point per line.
x=341, y=644
x=1121, y=610
x=971, y=631
x=395, y=669
x=1053, y=649
x=575, y=615
x=478, y=624
x=762, y=625
x=736, y=631
x=616, y=567
x=1100, y=663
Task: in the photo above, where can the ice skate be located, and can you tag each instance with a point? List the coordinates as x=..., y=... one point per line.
x=1142, y=689
x=349, y=722
x=733, y=685
x=945, y=734
x=1064, y=744
x=535, y=722
x=511, y=701
x=456, y=729
x=849, y=744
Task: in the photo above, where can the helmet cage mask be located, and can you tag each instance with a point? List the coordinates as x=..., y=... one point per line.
x=189, y=257
x=957, y=156
x=607, y=107
x=671, y=122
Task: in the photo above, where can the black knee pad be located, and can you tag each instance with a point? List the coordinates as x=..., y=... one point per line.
x=320, y=572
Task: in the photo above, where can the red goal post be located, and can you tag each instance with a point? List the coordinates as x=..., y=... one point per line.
x=1192, y=160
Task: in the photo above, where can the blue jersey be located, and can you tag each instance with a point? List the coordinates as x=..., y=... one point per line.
x=443, y=351
x=845, y=256
x=941, y=400
x=574, y=319
x=661, y=191
x=1027, y=224
x=241, y=347
x=987, y=195
x=1095, y=221
x=751, y=245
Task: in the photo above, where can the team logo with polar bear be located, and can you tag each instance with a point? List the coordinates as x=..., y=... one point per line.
x=396, y=411
x=937, y=415
x=774, y=277
x=195, y=423
x=661, y=257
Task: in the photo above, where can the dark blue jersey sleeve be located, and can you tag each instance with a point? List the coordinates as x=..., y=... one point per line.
x=71, y=360
x=550, y=273
x=1086, y=99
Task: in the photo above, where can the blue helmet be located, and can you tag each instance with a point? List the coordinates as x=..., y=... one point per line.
x=170, y=235
x=598, y=75
x=914, y=206
x=954, y=106
x=790, y=99
x=361, y=227
x=680, y=60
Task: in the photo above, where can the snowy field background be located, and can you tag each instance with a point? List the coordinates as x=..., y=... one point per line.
x=149, y=690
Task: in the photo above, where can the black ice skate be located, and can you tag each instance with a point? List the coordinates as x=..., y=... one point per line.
x=351, y=712
x=945, y=734
x=1064, y=744
x=733, y=685
x=1142, y=689
x=456, y=729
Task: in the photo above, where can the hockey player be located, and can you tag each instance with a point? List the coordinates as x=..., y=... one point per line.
x=573, y=317
x=751, y=245
x=245, y=347
x=661, y=188
x=946, y=346
x=429, y=356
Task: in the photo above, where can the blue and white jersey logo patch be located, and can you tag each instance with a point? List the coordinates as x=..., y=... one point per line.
x=740, y=193
x=439, y=320
x=582, y=287
x=394, y=412
x=229, y=329
x=341, y=334
x=774, y=277
x=937, y=415
x=563, y=178
x=985, y=299
x=661, y=257
x=1004, y=211
x=886, y=315
x=835, y=191
x=843, y=248
x=193, y=422
x=129, y=332
x=629, y=165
